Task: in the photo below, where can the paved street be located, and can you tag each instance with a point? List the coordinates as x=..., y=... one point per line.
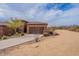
x=15, y=41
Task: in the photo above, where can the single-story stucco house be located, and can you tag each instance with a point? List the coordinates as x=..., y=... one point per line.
x=28, y=27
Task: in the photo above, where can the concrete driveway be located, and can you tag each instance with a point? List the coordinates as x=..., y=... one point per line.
x=19, y=40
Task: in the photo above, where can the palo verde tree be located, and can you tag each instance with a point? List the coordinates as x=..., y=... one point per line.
x=14, y=24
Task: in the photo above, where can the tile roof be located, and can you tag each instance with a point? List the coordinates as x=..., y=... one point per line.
x=28, y=22
x=2, y=23
x=36, y=23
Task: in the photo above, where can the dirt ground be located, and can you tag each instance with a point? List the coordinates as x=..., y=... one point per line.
x=65, y=44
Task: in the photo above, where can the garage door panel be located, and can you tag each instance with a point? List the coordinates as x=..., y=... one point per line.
x=36, y=30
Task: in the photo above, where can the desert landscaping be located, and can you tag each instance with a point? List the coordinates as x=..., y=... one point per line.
x=66, y=43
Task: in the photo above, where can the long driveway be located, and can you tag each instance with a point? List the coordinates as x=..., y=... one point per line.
x=15, y=41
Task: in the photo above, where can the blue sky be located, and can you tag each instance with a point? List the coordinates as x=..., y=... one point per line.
x=52, y=13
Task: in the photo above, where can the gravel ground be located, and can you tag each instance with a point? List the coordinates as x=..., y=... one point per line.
x=65, y=44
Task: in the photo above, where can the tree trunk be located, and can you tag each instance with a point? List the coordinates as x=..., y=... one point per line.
x=15, y=31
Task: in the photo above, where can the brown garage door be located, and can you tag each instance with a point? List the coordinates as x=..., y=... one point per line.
x=36, y=30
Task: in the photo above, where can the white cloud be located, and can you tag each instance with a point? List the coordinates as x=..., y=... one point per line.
x=37, y=13
x=71, y=12
x=7, y=12
x=68, y=17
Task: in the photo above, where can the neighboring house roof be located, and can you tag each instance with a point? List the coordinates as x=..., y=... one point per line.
x=2, y=23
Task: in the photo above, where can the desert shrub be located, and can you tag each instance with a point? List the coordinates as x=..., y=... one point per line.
x=77, y=30
x=37, y=40
x=17, y=33
x=74, y=28
x=22, y=34
x=0, y=36
x=4, y=37
x=45, y=34
x=50, y=32
x=56, y=34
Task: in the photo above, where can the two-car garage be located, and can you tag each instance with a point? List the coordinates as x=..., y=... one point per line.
x=36, y=28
